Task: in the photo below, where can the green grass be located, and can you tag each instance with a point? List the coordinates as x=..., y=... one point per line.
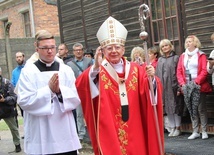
x=3, y=125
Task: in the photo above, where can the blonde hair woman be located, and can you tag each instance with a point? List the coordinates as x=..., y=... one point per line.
x=166, y=71
x=192, y=77
x=138, y=55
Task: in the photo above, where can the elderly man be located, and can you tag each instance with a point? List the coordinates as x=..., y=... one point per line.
x=78, y=65
x=47, y=94
x=115, y=97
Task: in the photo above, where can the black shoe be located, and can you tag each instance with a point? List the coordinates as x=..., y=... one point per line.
x=23, y=137
x=18, y=148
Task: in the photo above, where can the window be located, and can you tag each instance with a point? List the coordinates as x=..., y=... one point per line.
x=165, y=22
x=27, y=26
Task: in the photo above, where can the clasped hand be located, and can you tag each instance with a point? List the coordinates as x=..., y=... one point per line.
x=54, y=83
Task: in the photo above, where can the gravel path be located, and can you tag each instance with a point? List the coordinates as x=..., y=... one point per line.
x=7, y=147
x=177, y=145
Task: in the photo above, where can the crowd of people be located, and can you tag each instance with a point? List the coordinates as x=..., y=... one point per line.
x=185, y=83
x=99, y=97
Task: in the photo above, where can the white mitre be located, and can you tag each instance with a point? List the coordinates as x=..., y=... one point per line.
x=112, y=32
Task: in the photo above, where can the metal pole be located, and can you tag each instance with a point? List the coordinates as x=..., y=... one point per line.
x=144, y=13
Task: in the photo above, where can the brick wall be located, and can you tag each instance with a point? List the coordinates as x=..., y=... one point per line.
x=45, y=17
x=13, y=15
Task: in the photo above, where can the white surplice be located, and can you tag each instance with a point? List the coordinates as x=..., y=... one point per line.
x=49, y=125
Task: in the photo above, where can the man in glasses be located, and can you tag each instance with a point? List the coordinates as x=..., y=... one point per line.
x=78, y=65
x=115, y=96
x=47, y=94
x=35, y=56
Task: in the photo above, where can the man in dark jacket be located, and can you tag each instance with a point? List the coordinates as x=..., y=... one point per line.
x=7, y=109
x=63, y=53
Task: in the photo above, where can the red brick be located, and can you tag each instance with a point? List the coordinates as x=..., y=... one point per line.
x=45, y=17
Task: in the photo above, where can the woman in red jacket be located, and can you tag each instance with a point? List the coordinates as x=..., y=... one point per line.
x=192, y=77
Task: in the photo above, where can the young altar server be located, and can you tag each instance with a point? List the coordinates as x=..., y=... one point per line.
x=47, y=94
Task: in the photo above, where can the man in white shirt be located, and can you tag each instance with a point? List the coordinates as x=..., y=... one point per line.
x=47, y=94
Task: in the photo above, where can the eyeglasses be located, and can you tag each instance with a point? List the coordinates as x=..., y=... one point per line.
x=111, y=48
x=78, y=50
x=46, y=49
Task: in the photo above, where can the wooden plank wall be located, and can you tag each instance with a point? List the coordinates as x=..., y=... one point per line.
x=200, y=21
x=70, y=19
x=81, y=19
x=95, y=12
x=127, y=13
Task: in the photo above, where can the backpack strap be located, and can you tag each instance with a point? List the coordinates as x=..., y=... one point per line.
x=77, y=65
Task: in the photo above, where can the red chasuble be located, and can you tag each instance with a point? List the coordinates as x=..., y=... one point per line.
x=109, y=134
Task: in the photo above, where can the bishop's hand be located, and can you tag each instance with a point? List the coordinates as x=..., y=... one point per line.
x=150, y=70
x=98, y=58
